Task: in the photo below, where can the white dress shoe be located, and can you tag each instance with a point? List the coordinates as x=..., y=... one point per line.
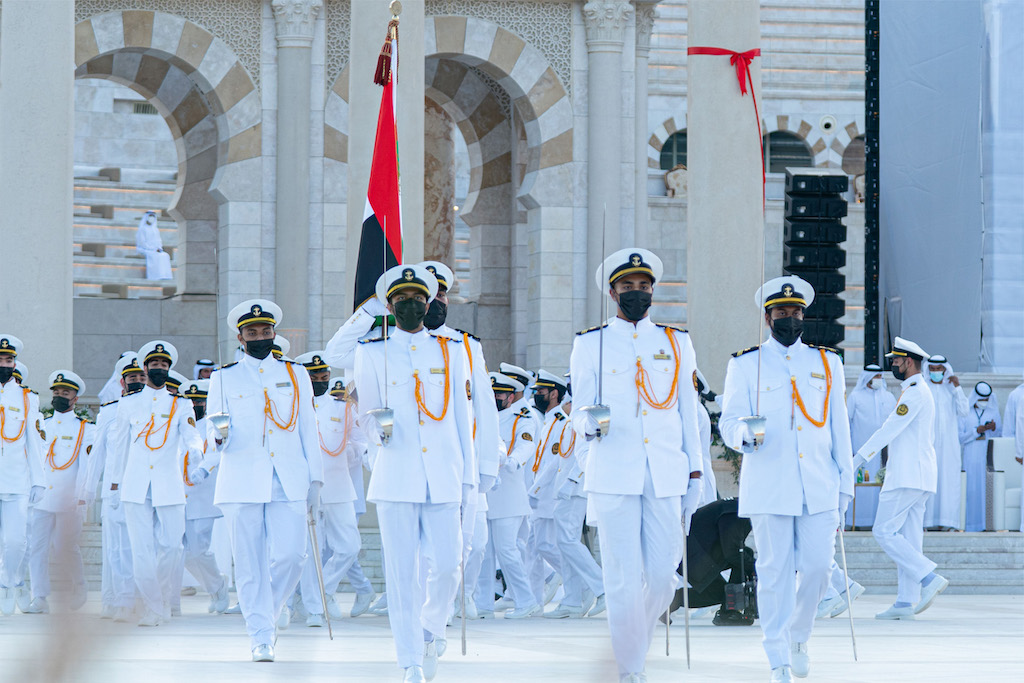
x=22, y=597
x=123, y=615
x=505, y=603
x=7, y=601
x=175, y=611
x=485, y=613
x=781, y=674
x=263, y=653
x=906, y=613
x=361, y=605
x=38, y=606
x=826, y=606
x=929, y=592
x=284, y=618
x=800, y=660
x=315, y=620
x=550, y=588
x=189, y=591
x=632, y=678
x=106, y=611
x=598, y=607
x=429, y=661
x=219, y=600
x=234, y=609
x=471, y=611
x=441, y=644
x=523, y=612
x=150, y=618
x=380, y=608
x=414, y=674
x=563, y=612
x=333, y=610
x=854, y=592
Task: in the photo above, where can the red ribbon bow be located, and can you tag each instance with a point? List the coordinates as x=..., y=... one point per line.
x=741, y=60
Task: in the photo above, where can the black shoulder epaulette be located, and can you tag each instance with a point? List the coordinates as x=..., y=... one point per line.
x=468, y=334
x=104, y=405
x=824, y=348
x=745, y=351
x=32, y=391
x=367, y=341
x=524, y=412
x=672, y=327
x=559, y=416
x=293, y=362
x=591, y=329
x=457, y=340
x=227, y=365
x=132, y=393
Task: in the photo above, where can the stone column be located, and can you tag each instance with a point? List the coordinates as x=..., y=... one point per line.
x=295, y=20
x=606, y=22
x=37, y=70
x=646, y=13
x=438, y=185
x=369, y=26
x=725, y=216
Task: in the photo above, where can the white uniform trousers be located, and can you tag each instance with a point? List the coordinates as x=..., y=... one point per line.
x=475, y=554
x=156, y=534
x=794, y=556
x=577, y=560
x=14, y=537
x=641, y=541
x=411, y=533
x=338, y=532
x=355, y=574
x=63, y=530
x=117, y=585
x=199, y=558
x=505, y=539
x=268, y=542
x=835, y=582
x=542, y=551
x=899, y=529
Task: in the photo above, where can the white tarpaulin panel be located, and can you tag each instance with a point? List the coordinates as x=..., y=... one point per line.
x=930, y=206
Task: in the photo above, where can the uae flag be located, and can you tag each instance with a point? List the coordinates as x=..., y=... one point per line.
x=380, y=245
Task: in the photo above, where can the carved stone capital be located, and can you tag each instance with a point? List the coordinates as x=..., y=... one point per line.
x=606, y=22
x=646, y=13
x=295, y=20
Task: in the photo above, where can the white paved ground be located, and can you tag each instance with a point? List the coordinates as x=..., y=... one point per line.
x=961, y=638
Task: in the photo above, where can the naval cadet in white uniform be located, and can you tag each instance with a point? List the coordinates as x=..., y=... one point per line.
x=152, y=429
x=270, y=467
x=56, y=520
x=426, y=470
x=797, y=485
x=21, y=473
x=910, y=478
x=644, y=477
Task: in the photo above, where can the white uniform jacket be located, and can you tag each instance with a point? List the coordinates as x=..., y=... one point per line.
x=519, y=430
x=908, y=432
x=423, y=454
x=148, y=436
x=199, y=497
x=102, y=460
x=21, y=459
x=339, y=438
x=66, y=459
x=340, y=351
x=666, y=440
x=556, y=434
x=798, y=463
x=259, y=395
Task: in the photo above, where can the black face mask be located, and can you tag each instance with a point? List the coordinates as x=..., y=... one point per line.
x=157, y=376
x=132, y=387
x=409, y=313
x=259, y=348
x=898, y=374
x=542, y=402
x=320, y=388
x=5, y=374
x=437, y=313
x=501, y=403
x=199, y=411
x=61, y=404
x=634, y=304
x=787, y=330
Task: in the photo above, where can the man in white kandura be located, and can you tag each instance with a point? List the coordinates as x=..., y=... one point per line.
x=336, y=528
x=981, y=423
x=795, y=487
x=57, y=519
x=942, y=510
x=645, y=475
x=910, y=477
x=270, y=467
x=425, y=471
x=150, y=432
x=21, y=473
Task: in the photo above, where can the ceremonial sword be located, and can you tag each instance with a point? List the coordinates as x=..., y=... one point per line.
x=758, y=422
x=385, y=416
x=849, y=598
x=311, y=523
x=600, y=412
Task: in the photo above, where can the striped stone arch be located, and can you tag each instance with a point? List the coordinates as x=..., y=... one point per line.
x=658, y=139
x=212, y=108
x=465, y=58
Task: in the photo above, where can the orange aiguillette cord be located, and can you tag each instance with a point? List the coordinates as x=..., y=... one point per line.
x=74, y=456
x=642, y=380
x=268, y=405
x=443, y=341
x=828, y=391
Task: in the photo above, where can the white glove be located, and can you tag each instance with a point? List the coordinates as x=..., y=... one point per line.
x=467, y=491
x=844, y=505
x=566, y=490
x=592, y=427
x=313, y=498
x=487, y=482
x=198, y=475
x=374, y=307
x=691, y=501
x=748, y=439
x=509, y=463
x=115, y=500
x=36, y=495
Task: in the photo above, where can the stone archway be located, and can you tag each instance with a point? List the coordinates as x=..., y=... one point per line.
x=212, y=107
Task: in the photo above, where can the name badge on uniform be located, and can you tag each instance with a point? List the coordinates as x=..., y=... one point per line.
x=164, y=415
x=662, y=356
x=436, y=371
x=67, y=437
x=817, y=375
x=281, y=385
x=13, y=409
x=335, y=419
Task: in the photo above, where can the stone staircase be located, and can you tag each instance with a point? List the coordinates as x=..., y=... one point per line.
x=983, y=563
x=106, y=217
